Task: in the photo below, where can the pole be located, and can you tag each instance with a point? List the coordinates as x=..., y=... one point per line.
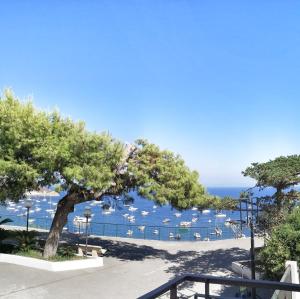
x=27, y=219
x=252, y=255
x=241, y=217
x=86, y=235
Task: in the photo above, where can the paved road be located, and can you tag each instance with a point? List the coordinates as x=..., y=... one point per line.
x=131, y=268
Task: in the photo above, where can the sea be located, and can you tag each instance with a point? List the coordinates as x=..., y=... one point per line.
x=139, y=218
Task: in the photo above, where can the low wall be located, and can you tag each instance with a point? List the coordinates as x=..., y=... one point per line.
x=51, y=266
x=290, y=275
x=243, y=270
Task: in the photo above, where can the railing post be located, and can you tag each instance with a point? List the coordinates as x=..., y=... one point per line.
x=207, y=289
x=173, y=292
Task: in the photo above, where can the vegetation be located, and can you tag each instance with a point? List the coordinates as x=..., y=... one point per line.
x=27, y=244
x=39, y=149
x=283, y=244
x=282, y=173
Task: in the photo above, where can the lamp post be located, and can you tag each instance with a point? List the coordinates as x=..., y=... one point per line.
x=28, y=205
x=87, y=214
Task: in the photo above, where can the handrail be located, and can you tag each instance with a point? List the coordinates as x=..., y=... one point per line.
x=207, y=279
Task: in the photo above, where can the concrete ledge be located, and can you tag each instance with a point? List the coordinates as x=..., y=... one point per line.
x=244, y=271
x=51, y=266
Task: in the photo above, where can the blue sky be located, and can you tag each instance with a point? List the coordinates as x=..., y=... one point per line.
x=215, y=81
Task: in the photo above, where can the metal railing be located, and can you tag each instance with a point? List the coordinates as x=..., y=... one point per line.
x=129, y=230
x=172, y=285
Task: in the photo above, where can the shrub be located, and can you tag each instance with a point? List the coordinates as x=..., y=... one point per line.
x=26, y=240
x=283, y=244
x=66, y=251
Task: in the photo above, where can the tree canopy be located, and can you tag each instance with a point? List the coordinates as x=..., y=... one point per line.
x=283, y=244
x=280, y=173
x=39, y=149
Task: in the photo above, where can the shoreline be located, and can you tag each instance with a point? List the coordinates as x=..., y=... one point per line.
x=171, y=244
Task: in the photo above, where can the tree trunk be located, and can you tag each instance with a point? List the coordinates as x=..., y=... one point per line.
x=64, y=207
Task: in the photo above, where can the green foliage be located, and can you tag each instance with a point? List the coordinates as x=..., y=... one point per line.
x=39, y=149
x=280, y=173
x=162, y=176
x=26, y=240
x=66, y=251
x=283, y=244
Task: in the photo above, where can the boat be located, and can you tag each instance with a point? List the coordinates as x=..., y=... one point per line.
x=197, y=236
x=209, y=220
x=144, y=213
x=129, y=232
x=125, y=215
x=220, y=215
x=194, y=219
x=156, y=232
x=194, y=209
x=141, y=228
x=177, y=215
x=49, y=210
x=78, y=219
x=166, y=220
x=38, y=209
x=154, y=207
x=106, y=212
x=171, y=236
x=185, y=224
x=31, y=220
x=132, y=209
x=206, y=239
x=131, y=218
x=206, y=211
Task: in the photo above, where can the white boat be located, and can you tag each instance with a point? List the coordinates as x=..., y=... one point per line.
x=144, y=213
x=220, y=215
x=49, y=210
x=197, y=236
x=131, y=219
x=171, y=236
x=132, y=209
x=177, y=215
x=141, y=228
x=78, y=219
x=125, y=215
x=166, y=220
x=206, y=211
x=106, y=212
x=206, y=239
x=194, y=219
x=129, y=232
x=209, y=220
x=156, y=232
x=194, y=209
x=38, y=209
x=11, y=209
x=185, y=223
x=44, y=199
x=154, y=207
x=31, y=220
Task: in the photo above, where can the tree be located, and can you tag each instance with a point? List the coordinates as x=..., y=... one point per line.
x=282, y=173
x=39, y=149
x=283, y=244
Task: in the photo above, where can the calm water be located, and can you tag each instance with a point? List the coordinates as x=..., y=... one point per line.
x=151, y=226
